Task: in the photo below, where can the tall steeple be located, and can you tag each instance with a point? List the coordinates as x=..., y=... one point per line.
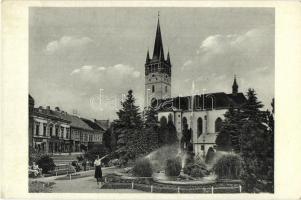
x=234, y=86
x=147, y=57
x=168, y=58
x=157, y=72
x=158, y=48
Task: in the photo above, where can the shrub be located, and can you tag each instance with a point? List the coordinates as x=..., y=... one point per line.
x=197, y=172
x=34, y=156
x=173, y=167
x=46, y=163
x=143, y=168
x=210, y=155
x=196, y=168
x=228, y=166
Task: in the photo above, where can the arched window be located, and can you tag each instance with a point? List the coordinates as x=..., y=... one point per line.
x=153, y=88
x=184, y=121
x=170, y=117
x=199, y=126
x=218, y=124
x=163, y=121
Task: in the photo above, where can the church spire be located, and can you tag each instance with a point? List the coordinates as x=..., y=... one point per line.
x=168, y=58
x=147, y=56
x=158, y=48
x=234, y=86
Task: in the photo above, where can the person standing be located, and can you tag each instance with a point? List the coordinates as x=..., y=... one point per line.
x=98, y=172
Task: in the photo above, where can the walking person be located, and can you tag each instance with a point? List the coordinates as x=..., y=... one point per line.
x=98, y=172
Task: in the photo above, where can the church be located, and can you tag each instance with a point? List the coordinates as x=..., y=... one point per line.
x=201, y=113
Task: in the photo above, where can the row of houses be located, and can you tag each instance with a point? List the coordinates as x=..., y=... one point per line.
x=56, y=131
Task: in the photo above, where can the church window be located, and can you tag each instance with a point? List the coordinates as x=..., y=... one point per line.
x=153, y=88
x=184, y=122
x=199, y=126
x=163, y=121
x=218, y=124
x=170, y=118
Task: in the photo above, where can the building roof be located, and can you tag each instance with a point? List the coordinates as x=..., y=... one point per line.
x=218, y=100
x=93, y=125
x=105, y=124
x=48, y=113
x=158, y=47
x=207, y=138
x=76, y=122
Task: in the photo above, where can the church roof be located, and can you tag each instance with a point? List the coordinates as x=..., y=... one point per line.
x=220, y=100
x=158, y=47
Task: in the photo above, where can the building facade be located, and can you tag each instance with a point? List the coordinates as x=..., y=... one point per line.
x=98, y=131
x=51, y=133
x=55, y=131
x=202, y=114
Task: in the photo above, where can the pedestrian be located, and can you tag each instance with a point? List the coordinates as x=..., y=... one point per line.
x=98, y=172
x=84, y=164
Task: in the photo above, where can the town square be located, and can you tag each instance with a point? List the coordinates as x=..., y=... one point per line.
x=151, y=100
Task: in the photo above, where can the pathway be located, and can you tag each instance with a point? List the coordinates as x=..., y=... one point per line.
x=86, y=184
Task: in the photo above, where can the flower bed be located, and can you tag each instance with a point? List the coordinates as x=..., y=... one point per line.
x=149, y=185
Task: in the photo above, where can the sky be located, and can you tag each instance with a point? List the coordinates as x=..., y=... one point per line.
x=84, y=60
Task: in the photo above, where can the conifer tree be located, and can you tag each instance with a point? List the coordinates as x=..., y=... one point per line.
x=128, y=123
x=229, y=136
x=151, y=130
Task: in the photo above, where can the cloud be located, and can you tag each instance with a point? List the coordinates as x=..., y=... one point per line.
x=85, y=69
x=117, y=76
x=66, y=42
x=249, y=55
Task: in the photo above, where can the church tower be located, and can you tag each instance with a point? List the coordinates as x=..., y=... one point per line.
x=234, y=86
x=157, y=72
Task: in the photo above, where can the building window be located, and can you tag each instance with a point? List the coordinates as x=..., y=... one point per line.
x=153, y=88
x=68, y=133
x=202, y=147
x=170, y=118
x=163, y=121
x=62, y=132
x=56, y=131
x=44, y=129
x=165, y=88
x=184, y=122
x=218, y=124
x=37, y=128
x=50, y=130
x=199, y=126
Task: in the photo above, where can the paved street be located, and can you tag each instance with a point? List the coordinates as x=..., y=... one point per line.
x=82, y=185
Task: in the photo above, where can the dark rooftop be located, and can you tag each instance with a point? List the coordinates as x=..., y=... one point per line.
x=218, y=100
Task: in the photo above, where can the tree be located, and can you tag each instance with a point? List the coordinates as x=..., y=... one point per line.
x=150, y=130
x=257, y=143
x=230, y=134
x=249, y=131
x=106, y=139
x=167, y=132
x=129, y=119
